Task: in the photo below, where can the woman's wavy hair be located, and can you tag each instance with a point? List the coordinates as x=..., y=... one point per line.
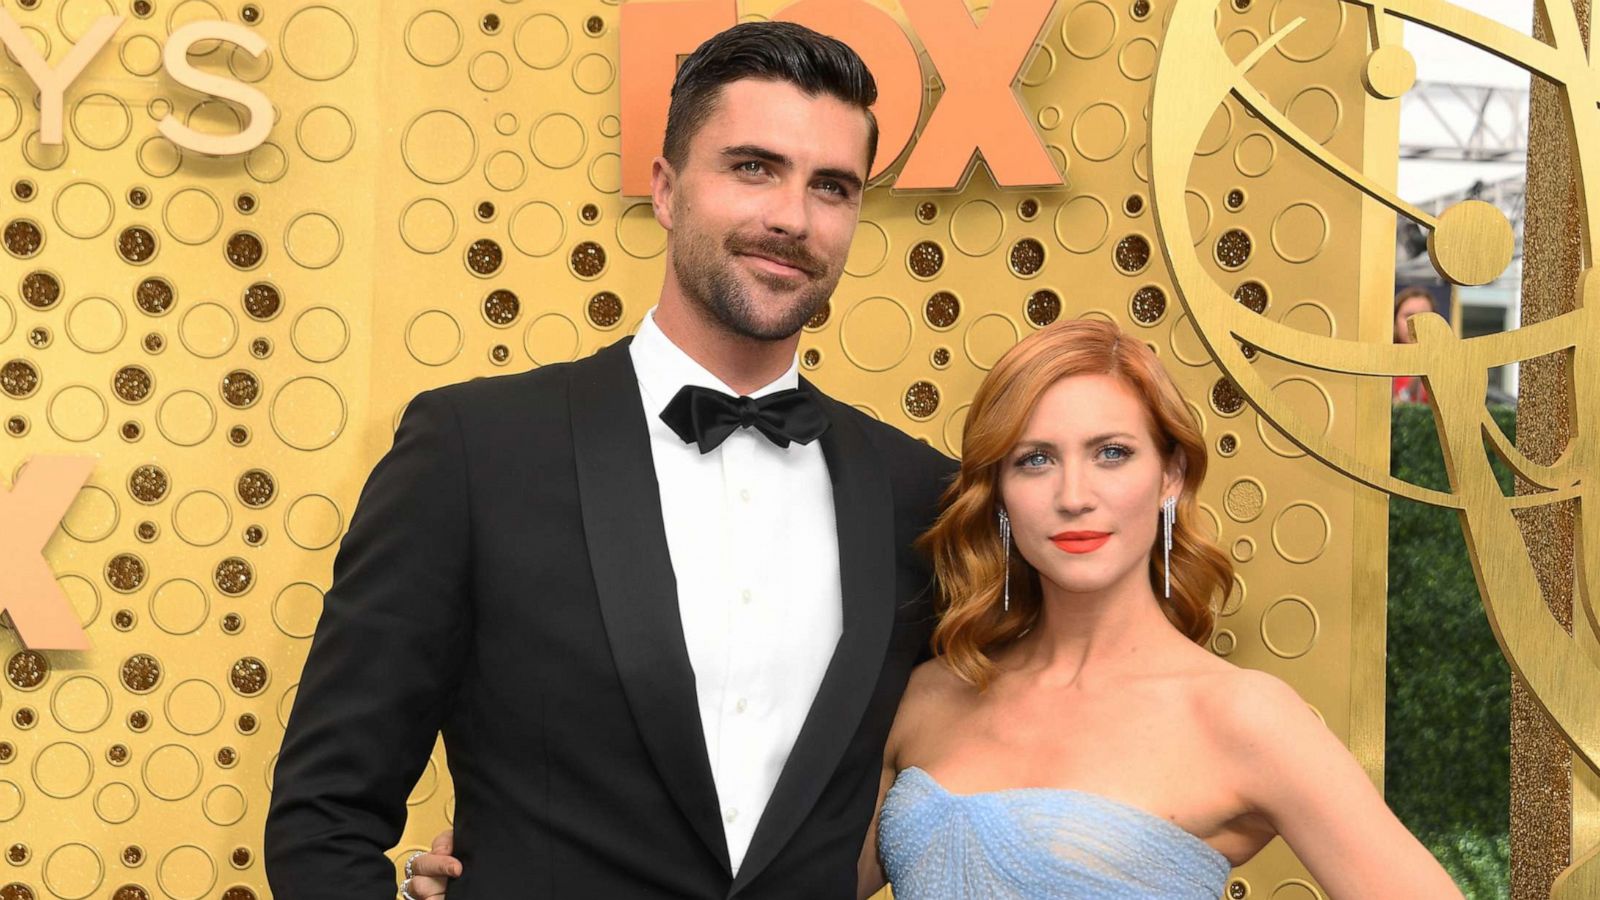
x=964, y=542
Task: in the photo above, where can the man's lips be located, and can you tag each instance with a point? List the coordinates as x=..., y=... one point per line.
x=776, y=266
x=1080, y=541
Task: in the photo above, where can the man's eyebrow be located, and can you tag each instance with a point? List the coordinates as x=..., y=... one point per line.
x=757, y=151
x=778, y=159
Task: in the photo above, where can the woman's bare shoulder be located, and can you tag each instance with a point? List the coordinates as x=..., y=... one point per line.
x=934, y=694
x=1247, y=708
x=933, y=681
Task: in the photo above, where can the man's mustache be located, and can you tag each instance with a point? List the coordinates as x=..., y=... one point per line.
x=791, y=253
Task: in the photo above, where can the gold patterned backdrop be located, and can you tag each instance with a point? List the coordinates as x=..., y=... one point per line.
x=233, y=340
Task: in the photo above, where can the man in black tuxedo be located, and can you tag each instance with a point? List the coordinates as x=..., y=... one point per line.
x=662, y=601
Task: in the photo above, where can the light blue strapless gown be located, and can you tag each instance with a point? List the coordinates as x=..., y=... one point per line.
x=1034, y=844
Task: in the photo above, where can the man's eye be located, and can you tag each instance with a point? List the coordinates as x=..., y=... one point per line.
x=751, y=167
x=835, y=187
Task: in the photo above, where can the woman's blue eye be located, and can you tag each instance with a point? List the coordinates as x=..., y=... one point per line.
x=1030, y=460
x=1119, y=452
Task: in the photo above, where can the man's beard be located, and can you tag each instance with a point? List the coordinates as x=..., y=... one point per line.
x=709, y=279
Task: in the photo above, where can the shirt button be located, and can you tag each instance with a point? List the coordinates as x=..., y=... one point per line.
x=746, y=596
x=744, y=494
x=741, y=706
x=729, y=814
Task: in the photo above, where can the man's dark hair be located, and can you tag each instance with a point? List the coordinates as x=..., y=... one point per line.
x=772, y=51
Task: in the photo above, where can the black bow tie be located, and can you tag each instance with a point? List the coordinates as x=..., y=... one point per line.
x=706, y=417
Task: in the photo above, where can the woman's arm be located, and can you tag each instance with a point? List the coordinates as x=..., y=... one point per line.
x=1291, y=769
x=435, y=868
x=920, y=689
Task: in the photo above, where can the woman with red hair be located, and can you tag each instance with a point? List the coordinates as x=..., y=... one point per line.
x=1073, y=737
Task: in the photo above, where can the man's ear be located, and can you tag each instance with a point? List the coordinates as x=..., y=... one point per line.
x=663, y=180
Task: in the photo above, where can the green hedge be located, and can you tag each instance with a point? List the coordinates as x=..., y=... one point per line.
x=1447, y=755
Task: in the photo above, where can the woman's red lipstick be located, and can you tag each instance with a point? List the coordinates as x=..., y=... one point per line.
x=1080, y=541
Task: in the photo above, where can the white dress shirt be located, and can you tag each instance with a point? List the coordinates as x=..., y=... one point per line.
x=751, y=533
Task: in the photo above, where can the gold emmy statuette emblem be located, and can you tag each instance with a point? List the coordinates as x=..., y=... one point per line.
x=1470, y=243
x=29, y=513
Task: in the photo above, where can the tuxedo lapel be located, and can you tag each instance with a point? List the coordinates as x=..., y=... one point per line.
x=627, y=543
x=863, y=506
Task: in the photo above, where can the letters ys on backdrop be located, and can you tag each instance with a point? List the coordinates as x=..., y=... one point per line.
x=978, y=65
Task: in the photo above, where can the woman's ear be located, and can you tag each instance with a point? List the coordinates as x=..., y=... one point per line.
x=1172, y=478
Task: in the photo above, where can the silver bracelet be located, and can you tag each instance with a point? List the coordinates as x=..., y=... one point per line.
x=405, y=886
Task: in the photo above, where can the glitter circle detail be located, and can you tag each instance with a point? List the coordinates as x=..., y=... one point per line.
x=588, y=259
x=604, y=310
x=1132, y=254
x=1148, y=305
x=27, y=669
x=262, y=301
x=1026, y=257
x=248, y=676
x=925, y=259
x=244, y=250
x=1233, y=249
x=1252, y=295
x=921, y=400
x=501, y=308
x=942, y=309
x=141, y=673
x=1225, y=397
x=125, y=573
x=1244, y=500
x=1043, y=307
x=233, y=576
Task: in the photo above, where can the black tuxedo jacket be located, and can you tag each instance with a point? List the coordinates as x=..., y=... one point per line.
x=505, y=580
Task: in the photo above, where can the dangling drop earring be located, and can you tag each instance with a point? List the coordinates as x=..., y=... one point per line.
x=1005, y=541
x=1169, y=511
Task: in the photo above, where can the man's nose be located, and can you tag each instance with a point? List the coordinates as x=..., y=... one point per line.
x=787, y=212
